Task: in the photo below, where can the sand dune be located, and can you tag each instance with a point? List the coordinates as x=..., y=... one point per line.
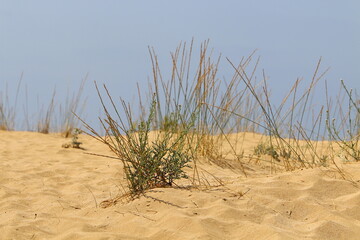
x=49, y=192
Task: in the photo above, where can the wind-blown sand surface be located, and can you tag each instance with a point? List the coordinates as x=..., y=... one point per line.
x=49, y=192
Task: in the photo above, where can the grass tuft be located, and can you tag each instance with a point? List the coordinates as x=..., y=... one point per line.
x=345, y=132
x=150, y=158
x=193, y=116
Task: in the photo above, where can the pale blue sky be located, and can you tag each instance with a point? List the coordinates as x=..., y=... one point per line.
x=55, y=43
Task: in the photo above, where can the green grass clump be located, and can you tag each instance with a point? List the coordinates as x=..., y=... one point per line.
x=158, y=163
x=74, y=140
x=151, y=157
x=266, y=149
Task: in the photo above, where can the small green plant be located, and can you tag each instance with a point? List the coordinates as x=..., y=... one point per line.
x=75, y=140
x=266, y=149
x=324, y=161
x=159, y=163
x=171, y=122
x=151, y=158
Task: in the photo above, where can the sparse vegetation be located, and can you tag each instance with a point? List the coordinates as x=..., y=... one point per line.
x=201, y=119
x=8, y=110
x=52, y=118
x=73, y=104
x=44, y=122
x=265, y=149
x=191, y=115
x=345, y=132
x=5, y=117
x=291, y=143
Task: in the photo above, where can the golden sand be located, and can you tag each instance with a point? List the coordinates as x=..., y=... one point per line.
x=50, y=192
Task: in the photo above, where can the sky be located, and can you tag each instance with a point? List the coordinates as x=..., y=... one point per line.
x=55, y=44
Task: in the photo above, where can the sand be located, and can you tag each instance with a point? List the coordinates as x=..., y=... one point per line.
x=50, y=192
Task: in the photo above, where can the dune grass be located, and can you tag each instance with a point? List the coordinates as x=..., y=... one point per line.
x=6, y=116
x=8, y=110
x=284, y=124
x=190, y=115
x=48, y=118
x=343, y=125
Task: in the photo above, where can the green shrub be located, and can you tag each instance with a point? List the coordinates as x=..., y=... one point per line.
x=151, y=158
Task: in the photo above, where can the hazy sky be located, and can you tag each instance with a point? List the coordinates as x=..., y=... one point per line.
x=56, y=43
